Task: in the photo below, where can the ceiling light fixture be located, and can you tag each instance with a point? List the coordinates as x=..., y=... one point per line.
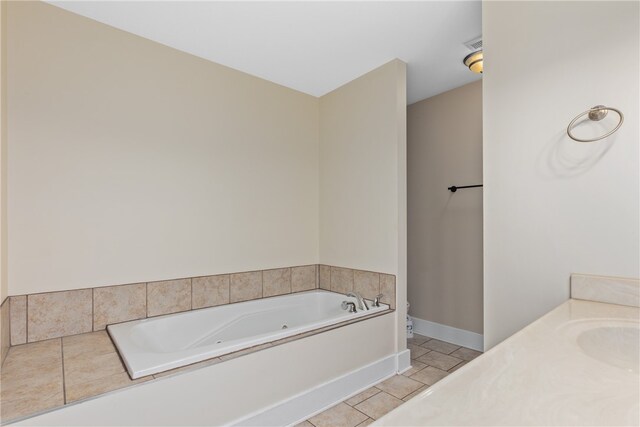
x=474, y=61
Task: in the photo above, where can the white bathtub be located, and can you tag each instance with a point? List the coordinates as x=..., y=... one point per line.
x=149, y=346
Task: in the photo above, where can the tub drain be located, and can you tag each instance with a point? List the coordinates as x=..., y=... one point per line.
x=284, y=327
x=219, y=342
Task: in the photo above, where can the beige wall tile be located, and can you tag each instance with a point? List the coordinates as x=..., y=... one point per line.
x=324, y=277
x=303, y=278
x=366, y=283
x=388, y=289
x=246, y=286
x=210, y=291
x=18, y=322
x=341, y=280
x=114, y=304
x=170, y=296
x=276, y=282
x=57, y=314
x=5, y=331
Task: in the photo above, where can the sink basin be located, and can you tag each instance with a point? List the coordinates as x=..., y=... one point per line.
x=616, y=345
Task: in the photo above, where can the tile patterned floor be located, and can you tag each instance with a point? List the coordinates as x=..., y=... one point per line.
x=431, y=361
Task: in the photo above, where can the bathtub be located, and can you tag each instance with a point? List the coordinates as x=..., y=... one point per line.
x=149, y=346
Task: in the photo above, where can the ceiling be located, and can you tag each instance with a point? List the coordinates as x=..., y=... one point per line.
x=313, y=47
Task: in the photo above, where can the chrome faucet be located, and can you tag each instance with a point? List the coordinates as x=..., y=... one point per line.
x=376, y=300
x=362, y=304
x=349, y=306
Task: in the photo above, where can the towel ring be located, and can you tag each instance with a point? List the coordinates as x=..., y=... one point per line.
x=595, y=114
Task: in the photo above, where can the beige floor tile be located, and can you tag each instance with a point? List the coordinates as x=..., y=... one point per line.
x=415, y=367
x=188, y=367
x=466, y=354
x=458, y=366
x=415, y=393
x=31, y=379
x=439, y=360
x=34, y=353
x=399, y=386
x=417, y=339
x=417, y=351
x=360, y=397
x=440, y=346
x=89, y=389
x=365, y=422
x=93, y=343
x=341, y=415
x=30, y=363
x=23, y=407
x=87, y=367
x=378, y=405
x=430, y=375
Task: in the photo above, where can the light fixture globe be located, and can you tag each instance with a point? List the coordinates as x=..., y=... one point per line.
x=474, y=61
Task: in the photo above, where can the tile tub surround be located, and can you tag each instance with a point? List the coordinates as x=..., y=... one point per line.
x=45, y=375
x=38, y=317
x=542, y=375
x=5, y=330
x=375, y=402
x=613, y=290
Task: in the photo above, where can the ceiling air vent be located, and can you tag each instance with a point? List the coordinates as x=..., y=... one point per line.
x=474, y=44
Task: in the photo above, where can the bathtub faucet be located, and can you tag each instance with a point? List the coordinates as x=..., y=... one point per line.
x=362, y=304
x=349, y=306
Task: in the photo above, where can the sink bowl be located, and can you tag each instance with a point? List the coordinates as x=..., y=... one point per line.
x=615, y=345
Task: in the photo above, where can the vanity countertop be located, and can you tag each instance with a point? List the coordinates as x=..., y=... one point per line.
x=577, y=365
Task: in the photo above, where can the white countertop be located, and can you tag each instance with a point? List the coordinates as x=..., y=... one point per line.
x=577, y=365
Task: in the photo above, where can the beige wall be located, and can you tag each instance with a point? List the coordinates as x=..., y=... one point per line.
x=444, y=144
x=4, y=283
x=362, y=176
x=131, y=161
x=554, y=206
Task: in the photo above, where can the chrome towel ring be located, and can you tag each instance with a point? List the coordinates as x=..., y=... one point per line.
x=595, y=114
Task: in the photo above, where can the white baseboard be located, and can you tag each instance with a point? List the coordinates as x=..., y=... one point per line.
x=311, y=402
x=404, y=361
x=450, y=334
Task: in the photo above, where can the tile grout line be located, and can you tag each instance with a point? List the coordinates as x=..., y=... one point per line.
x=26, y=320
x=93, y=311
x=64, y=384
